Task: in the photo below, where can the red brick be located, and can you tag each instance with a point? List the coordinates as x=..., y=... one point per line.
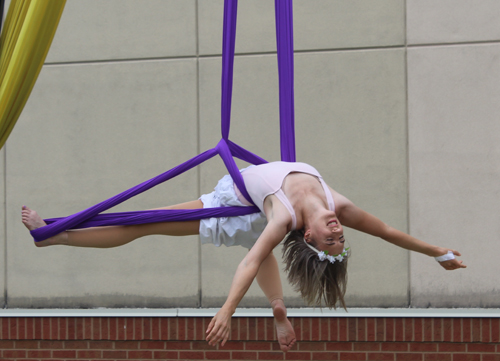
x=490, y=357
x=480, y=347
x=143, y=354
x=105, y=328
x=21, y=328
x=325, y=356
x=485, y=330
x=46, y=328
x=64, y=353
x=244, y=355
x=399, y=329
x=366, y=346
x=243, y=325
x=257, y=345
x=63, y=328
x=476, y=330
x=90, y=354
x=126, y=345
x=191, y=355
x=495, y=330
x=178, y=345
x=418, y=330
x=295, y=355
x=451, y=347
x=96, y=328
x=217, y=355
x=119, y=328
x=408, y=329
x=409, y=357
x=339, y=346
x=306, y=329
x=30, y=328
x=190, y=331
x=235, y=329
x=146, y=323
x=79, y=328
x=315, y=329
x=54, y=345
x=361, y=329
x=447, y=329
x=466, y=330
x=152, y=345
x=164, y=328
x=457, y=330
x=297, y=327
x=13, y=353
x=380, y=329
x=37, y=328
x=325, y=329
x=39, y=353
x=370, y=329
x=165, y=355
x=466, y=357
x=261, y=328
x=173, y=328
x=4, y=344
x=71, y=328
x=342, y=330
x=181, y=328
x=311, y=346
x=381, y=356
x=423, y=347
x=155, y=328
x=389, y=329
x=233, y=345
x=334, y=329
x=437, y=324
x=437, y=357
x=130, y=328
x=114, y=354
x=101, y=345
x=201, y=345
x=394, y=346
x=252, y=328
x=352, y=328
x=25, y=344
x=344, y=356
x=263, y=355
x=427, y=329
x=87, y=328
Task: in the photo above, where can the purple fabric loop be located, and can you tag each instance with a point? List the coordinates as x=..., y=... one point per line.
x=92, y=216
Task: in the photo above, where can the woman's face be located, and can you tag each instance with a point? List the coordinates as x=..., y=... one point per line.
x=326, y=234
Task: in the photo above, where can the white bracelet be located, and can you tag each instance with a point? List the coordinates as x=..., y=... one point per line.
x=445, y=257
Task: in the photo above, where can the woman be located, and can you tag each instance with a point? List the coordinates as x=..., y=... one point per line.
x=297, y=204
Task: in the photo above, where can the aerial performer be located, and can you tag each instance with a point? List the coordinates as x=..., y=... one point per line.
x=298, y=208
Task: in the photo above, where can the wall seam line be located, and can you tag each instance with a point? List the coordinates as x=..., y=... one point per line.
x=407, y=131
x=198, y=173
x=5, y=291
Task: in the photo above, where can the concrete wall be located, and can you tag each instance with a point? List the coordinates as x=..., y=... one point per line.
x=398, y=115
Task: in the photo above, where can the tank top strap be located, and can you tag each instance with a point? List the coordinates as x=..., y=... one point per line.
x=282, y=197
x=329, y=197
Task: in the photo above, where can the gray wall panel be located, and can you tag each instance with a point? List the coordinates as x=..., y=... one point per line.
x=451, y=21
x=454, y=158
x=124, y=29
x=88, y=133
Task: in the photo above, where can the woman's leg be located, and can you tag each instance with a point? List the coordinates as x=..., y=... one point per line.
x=268, y=278
x=114, y=236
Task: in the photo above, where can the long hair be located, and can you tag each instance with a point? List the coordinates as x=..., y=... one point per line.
x=319, y=282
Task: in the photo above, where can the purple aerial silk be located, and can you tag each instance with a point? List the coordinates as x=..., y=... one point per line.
x=226, y=149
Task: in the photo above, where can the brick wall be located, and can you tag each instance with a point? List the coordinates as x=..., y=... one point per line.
x=252, y=338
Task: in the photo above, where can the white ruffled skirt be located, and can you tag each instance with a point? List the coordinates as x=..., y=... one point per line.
x=229, y=231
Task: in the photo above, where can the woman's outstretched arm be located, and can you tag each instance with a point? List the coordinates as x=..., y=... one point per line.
x=354, y=217
x=220, y=326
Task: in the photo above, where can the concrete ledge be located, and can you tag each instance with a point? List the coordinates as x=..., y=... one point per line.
x=255, y=312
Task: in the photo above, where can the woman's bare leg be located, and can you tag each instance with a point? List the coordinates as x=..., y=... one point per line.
x=268, y=278
x=114, y=236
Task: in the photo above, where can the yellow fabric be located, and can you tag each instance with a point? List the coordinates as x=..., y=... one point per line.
x=27, y=33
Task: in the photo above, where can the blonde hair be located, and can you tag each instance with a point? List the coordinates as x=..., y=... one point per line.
x=319, y=282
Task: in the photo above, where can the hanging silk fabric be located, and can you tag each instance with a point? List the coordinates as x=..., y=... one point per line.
x=91, y=217
x=25, y=41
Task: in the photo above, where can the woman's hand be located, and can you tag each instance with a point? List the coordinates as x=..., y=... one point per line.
x=219, y=328
x=451, y=264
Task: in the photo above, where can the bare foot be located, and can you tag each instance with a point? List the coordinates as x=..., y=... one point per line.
x=32, y=221
x=284, y=329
